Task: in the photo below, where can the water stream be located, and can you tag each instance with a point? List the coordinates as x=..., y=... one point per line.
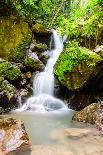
x=47, y=118
x=43, y=84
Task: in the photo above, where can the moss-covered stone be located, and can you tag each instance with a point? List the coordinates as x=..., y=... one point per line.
x=76, y=66
x=38, y=28
x=40, y=47
x=33, y=64
x=8, y=96
x=14, y=38
x=9, y=71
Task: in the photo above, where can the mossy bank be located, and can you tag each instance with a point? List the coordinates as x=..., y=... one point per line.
x=76, y=66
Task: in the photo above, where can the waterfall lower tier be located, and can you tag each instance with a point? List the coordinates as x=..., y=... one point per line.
x=42, y=103
x=43, y=84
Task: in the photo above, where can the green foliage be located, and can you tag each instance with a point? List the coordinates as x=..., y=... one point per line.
x=72, y=56
x=6, y=8
x=43, y=11
x=1, y=83
x=28, y=62
x=84, y=21
x=8, y=71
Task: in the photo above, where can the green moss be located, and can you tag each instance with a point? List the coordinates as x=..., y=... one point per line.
x=32, y=64
x=8, y=71
x=38, y=28
x=29, y=62
x=41, y=47
x=1, y=83
x=73, y=56
x=18, y=53
x=14, y=37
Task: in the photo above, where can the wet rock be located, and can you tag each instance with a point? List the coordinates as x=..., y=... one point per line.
x=79, y=101
x=22, y=83
x=21, y=67
x=28, y=75
x=8, y=95
x=32, y=54
x=87, y=115
x=13, y=136
x=93, y=114
x=59, y=90
x=32, y=45
x=99, y=50
x=23, y=95
x=99, y=118
x=1, y=110
x=44, y=57
x=38, y=47
x=32, y=62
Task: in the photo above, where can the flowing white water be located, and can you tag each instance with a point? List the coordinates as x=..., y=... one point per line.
x=43, y=84
x=44, y=81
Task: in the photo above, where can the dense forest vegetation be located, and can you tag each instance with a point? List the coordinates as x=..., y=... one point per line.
x=80, y=19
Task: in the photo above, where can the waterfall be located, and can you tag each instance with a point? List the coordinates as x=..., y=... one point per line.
x=43, y=84
x=44, y=81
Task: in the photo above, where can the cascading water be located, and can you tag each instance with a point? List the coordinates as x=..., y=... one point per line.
x=44, y=81
x=43, y=84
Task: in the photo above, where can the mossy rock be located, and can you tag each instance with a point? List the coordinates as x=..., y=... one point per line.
x=15, y=36
x=33, y=64
x=8, y=95
x=76, y=66
x=38, y=28
x=9, y=71
x=40, y=47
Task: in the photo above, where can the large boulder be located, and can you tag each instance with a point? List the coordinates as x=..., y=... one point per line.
x=77, y=67
x=13, y=136
x=9, y=71
x=15, y=36
x=87, y=115
x=92, y=114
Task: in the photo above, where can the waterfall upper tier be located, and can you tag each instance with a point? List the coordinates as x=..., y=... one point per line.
x=44, y=81
x=43, y=84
